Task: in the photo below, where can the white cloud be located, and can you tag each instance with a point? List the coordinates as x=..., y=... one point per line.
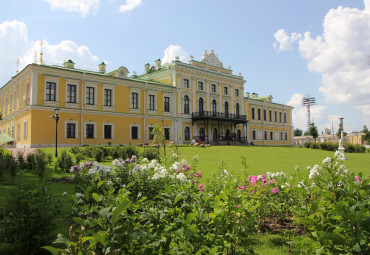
x=84, y=7
x=172, y=51
x=341, y=55
x=14, y=43
x=130, y=5
x=284, y=41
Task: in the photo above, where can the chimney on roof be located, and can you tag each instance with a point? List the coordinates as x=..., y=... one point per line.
x=69, y=64
x=147, y=67
x=158, y=63
x=102, y=66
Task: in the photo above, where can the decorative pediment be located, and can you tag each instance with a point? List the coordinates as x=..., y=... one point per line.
x=211, y=59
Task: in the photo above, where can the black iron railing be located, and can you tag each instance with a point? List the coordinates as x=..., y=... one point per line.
x=219, y=116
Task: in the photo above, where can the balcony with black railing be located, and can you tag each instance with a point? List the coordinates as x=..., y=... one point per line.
x=208, y=115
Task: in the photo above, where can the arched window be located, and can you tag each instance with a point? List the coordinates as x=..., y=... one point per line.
x=237, y=110
x=201, y=108
x=186, y=104
x=214, y=107
x=226, y=109
x=202, y=134
x=187, y=133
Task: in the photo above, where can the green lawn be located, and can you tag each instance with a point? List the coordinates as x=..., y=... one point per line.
x=267, y=159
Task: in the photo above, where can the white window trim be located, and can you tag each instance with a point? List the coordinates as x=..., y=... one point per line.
x=108, y=124
x=228, y=91
x=76, y=128
x=237, y=95
x=183, y=104
x=256, y=136
x=18, y=130
x=204, y=85
x=155, y=102
x=167, y=95
x=190, y=136
x=90, y=122
x=277, y=135
x=91, y=106
x=170, y=132
x=214, y=92
x=110, y=108
x=148, y=133
x=260, y=135
x=189, y=83
x=138, y=131
x=134, y=90
x=77, y=84
x=56, y=81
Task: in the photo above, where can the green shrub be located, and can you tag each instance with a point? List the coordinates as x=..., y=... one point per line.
x=129, y=151
x=79, y=157
x=150, y=153
x=40, y=162
x=65, y=161
x=75, y=150
x=30, y=158
x=116, y=152
x=307, y=144
x=314, y=146
x=27, y=218
x=89, y=151
x=20, y=160
x=50, y=158
x=99, y=153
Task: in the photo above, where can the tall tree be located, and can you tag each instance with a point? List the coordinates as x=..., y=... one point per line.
x=297, y=132
x=327, y=131
x=313, y=131
x=366, y=135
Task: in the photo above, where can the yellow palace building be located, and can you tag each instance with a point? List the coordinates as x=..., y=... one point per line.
x=199, y=99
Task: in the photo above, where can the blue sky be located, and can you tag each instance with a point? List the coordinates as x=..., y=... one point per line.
x=285, y=48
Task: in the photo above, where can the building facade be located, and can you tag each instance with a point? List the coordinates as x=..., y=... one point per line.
x=198, y=99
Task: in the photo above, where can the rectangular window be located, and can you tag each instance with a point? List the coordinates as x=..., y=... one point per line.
x=281, y=136
x=236, y=92
x=18, y=130
x=270, y=115
x=259, y=114
x=200, y=85
x=90, y=95
x=71, y=130
x=151, y=102
x=271, y=135
x=107, y=97
x=276, y=116
x=254, y=134
x=285, y=119
x=15, y=100
x=150, y=130
x=286, y=136
x=134, y=132
x=265, y=135
x=25, y=126
x=264, y=115
x=51, y=91
x=186, y=83
x=213, y=88
x=134, y=100
x=71, y=94
x=89, y=130
x=280, y=119
x=166, y=104
x=226, y=90
x=166, y=133
x=107, y=131
x=253, y=113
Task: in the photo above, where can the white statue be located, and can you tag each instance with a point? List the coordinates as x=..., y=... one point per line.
x=341, y=141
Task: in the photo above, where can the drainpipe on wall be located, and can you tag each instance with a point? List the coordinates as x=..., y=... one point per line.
x=82, y=106
x=146, y=90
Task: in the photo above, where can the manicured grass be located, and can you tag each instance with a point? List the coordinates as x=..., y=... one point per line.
x=267, y=159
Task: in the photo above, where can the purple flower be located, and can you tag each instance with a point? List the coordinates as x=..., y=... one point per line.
x=275, y=190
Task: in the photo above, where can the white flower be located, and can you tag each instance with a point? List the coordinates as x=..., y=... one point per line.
x=313, y=185
x=110, y=183
x=145, y=160
x=64, y=193
x=301, y=185
x=79, y=195
x=259, y=177
x=82, y=165
x=176, y=166
x=156, y=176
x=183, y=162
x=195, y=158
x=151, y=165
x=181, y=177
x=124, y=186
x=339, y=155
x=314, y=172
x=80, y=201
x=92, y=171
x=327, y=160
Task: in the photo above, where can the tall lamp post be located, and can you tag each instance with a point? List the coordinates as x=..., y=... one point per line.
x=56, y=117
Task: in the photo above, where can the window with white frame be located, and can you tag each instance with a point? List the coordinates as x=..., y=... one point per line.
x=166, y=104
x=264, y=115
x=271, y=135
x=265, y=135
x=280, y=118
x=260, y=137
x=237, y=92
x=186, y=133
x=18, y=130
x=151, y=102
x=254, y=135
x=253, y=113
x=71, y=93
x=108, y=97
x=27, y=94
x=166, y=133
x=270, y=115
x=134, y=100
x=90, y=95
x=186, y=104
x=285, y=118
x=186, y=83
x=14, y=99
x=134, y=132
x=276, y=119
x=71, y=130
x=150, y=133
x=286, y=136
x=108, y=131
x=226, y=90
x=50, y=91
x=281, y=136
x=213, y=88
x=200, y=85
x=277, y=135
x=89, y=130
x=259, y=113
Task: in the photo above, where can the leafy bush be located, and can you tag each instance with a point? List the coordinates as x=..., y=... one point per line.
x=150, y=153
x=75, y=150
x=27, y=218
x=30, y=158
x=20, y=160
x=40, y=162
x=314, y=146
x=354, y=148
x=49, y=158
x=99, y=153
x=116, y=152
x=65, y=161
x=89, y=151
x=307, y=144
x=78, y=157
x=129, y=151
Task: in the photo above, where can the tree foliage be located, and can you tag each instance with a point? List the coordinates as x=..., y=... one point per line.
x=313, y=131
x=366, y=135
x=297, y=132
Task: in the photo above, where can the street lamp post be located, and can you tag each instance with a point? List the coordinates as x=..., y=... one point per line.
x=56, y=117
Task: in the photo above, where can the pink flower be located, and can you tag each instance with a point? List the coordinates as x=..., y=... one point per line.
x=264, y=181
x=195, y=181
x=198, y=174
x=263, y=176
x=358, y=179
x=201, y=187
x=242, y=187
x=237, y=206
x=272, y=181
x=275, y=190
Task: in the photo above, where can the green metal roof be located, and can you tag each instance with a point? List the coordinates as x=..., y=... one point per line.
x=5, y=138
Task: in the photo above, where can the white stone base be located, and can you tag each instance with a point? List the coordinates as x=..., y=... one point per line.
x=341, y=151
